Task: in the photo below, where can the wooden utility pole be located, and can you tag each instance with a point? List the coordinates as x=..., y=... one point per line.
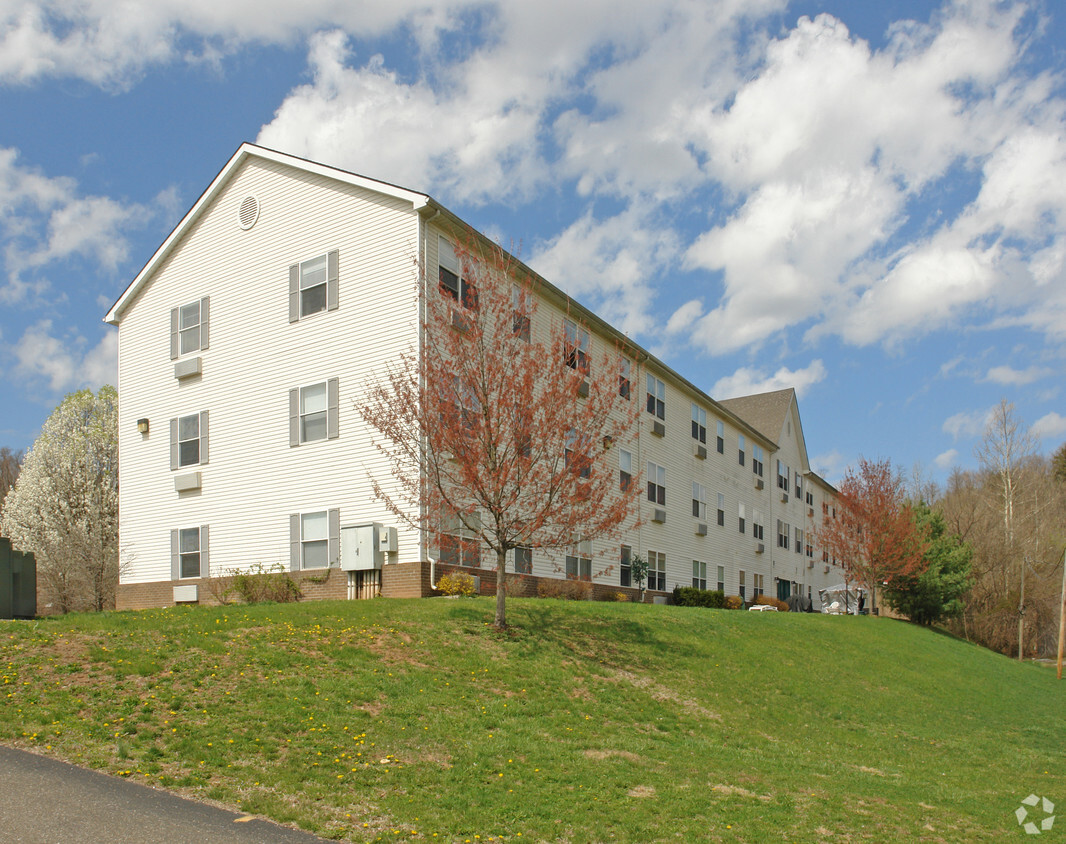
x=1062, y=614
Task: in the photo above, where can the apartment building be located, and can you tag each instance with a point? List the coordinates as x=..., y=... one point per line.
x=246, y=341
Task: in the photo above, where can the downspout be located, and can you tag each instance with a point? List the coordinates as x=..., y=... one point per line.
x=423, y=224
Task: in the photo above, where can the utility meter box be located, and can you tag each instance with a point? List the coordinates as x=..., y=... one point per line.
x=363, y=547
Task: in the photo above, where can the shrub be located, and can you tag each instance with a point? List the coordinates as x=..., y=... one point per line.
x=620, y=597
x=262, y=583
x=457, y=583
x=734, y=602
x=689, y=596
x=568, y=590
x=516, y=585
x=766, y=600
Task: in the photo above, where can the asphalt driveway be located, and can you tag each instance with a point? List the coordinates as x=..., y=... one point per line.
x=44, y=801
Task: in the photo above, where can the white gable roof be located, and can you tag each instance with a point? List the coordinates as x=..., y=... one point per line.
x=246, y=151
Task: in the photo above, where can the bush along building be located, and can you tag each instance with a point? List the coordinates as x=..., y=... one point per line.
x=247, y=343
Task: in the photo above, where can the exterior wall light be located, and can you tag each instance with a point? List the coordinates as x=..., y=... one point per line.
x=142, y=426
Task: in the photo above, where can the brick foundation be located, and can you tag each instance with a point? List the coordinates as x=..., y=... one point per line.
x=402, y=580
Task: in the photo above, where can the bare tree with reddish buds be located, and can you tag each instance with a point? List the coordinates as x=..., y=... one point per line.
x=873, y=534
x=495, y=436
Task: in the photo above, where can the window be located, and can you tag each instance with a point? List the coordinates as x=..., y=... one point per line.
x=743, y=594
x=757, y=525
x=657, y=571
x=521, y=302
x=756, y=459
x=721, y=579
x=758, y=584
x=575, y=457
x=625, y=571
x=188, y=553
x=314, y=539
x=782, y=534
x=523, y=560
x=721, y=438
x=313, y=286
x=579, y=561
x=625, y=372
x=188, y=327
x=576, y=347
x=740, y=515
x=656, y=397
x=699, y=574
x=699, y=424
x=721, y=510
x=809, y=549
x=625, y=469
x=188, y=440
x=782, y=476
x=314, y=412
x=699, y=501
x=808, y=496
x=799, y=485
x=451, y=284
x=740, y=449
x=799, y=540
x=656, y=484
x=459, y=542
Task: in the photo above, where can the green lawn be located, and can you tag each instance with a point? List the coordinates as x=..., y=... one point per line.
x=413, y=720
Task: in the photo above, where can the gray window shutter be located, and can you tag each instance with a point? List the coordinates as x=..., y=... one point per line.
x=175, y=347
x=294, y=417
x=333, y=413
x=175, y=557
x=332, y=274
x=174, y=444
x=205, y=563
x=294, y=293
x=294, y=542
x=203, y=437
x=205, y=312
x=334, y=537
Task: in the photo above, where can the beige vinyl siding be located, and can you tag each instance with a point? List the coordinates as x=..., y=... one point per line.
x=255, y=480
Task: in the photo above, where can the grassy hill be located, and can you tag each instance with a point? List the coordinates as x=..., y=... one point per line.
x=412, y=720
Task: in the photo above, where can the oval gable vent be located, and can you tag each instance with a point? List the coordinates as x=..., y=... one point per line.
x=248, y=213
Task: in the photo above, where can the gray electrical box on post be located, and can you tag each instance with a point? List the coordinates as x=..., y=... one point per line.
x=363, y=547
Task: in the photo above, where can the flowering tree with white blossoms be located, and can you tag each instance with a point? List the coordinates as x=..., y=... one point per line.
x=64, y=505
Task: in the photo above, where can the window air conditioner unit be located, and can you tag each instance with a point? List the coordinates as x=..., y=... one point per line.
x=701, y=529
x=701, y=452
x=810, y=512
x=759, y=548
x=758, y=483
x=659, y=515
x=810, y=564
x=784, y=498
x=583, y=389
x=827, y=569
x=658, y=428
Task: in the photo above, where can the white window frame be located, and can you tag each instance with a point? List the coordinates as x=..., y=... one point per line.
x=656, y=390
x=577, y=347
x=656, y=484
x=657, y=571
x=699, y=574
x=625, y=469
x=699, y=424
x=189, y=551
x=579, y=561
x=699, y=501
x=184, y=439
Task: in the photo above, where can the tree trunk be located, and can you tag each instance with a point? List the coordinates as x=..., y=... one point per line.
x=501, y=589
x=1021, y=616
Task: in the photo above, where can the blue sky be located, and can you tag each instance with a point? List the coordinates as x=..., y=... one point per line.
x=863, y=200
